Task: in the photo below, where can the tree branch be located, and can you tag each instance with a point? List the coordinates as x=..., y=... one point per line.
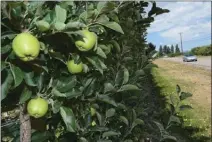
x=25, y=127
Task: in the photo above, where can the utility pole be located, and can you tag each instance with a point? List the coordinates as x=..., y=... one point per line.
x=181, y=42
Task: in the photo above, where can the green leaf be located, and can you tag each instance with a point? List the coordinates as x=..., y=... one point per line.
x=167, y=138
x=41, y=136
x=128, y=59
x=184, y=95
x=99, y=129
x=100, y=118
x=25, y=95
x=55, y=105
x=122, y=106
x=134, y=115
x=110, y=112
x=178, y=89
x=107, y=99
x=108, y=87
x=74, y=25
x=119, y=77
x=43, y=25
x=102, y=64
x=124, y=119
x=59, y=26
x=65, y=84
x=18, y=75
x=128, y=87
x=6, y=85
x=95, y=62
x=126, y=76
x=116, y=46
x=61, y=14
x=160, y=126
x=113, y=25
x=110, y=133
x=69, y=118
x=137, y=122
x=6, y=49
x=82, y=139
x=174, y=119
x=106, y=49
x=104, y=141
x=101, y=53
x=40, y=81
x=89, y=86
x=128, y=140
x=103, y=7
x=58, y=56
x=139, y=73
x=83, y=15
x=50, y=17
x=9, y=35
x=103, y=18
x=29, y=78
x=185, y=107
x=71, y=94
x=100, y=6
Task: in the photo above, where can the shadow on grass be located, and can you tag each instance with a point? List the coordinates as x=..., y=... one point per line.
x=160, y=101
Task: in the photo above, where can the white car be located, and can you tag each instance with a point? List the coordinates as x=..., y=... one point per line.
x=189, y=57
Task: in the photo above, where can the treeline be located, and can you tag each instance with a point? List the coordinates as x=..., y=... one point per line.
x=169, y=51
x=203, y=50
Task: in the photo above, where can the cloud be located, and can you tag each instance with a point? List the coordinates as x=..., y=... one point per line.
x=191, y=18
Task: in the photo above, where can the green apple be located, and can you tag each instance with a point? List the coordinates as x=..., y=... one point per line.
x=37, y=107
x=93, y=111
x=74, y=67
x=89, y=40
x=26, y=46
x=93, y=123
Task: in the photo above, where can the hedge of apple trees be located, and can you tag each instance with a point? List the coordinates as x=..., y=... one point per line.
x=70, y=71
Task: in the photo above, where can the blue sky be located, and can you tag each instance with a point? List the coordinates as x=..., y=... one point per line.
x=193, y=19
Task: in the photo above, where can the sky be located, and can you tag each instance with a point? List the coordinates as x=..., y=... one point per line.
x=192, y=19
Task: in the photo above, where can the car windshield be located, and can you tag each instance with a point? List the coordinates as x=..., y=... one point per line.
x=188, y=55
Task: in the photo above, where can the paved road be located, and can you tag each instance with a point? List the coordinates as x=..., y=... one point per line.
x=204, y=62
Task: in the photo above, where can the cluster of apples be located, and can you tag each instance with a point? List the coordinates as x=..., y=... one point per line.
x=27, y=48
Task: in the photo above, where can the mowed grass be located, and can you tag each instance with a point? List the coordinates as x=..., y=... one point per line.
x=191, y=79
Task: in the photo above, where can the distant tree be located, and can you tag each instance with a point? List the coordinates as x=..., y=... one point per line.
x=168, y=50
x=165, y=49
x=160, y=50
x=177, y=49
x=172, y=49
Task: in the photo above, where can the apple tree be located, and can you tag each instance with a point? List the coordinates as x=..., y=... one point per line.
x=72, y=70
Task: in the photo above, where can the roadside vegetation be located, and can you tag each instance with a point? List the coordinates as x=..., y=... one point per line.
x=197, y=123
x=202, y=50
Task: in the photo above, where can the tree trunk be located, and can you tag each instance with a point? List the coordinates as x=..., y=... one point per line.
x=25, y=125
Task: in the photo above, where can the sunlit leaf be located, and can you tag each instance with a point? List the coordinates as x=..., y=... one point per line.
x=68, y=118
x=17, y=75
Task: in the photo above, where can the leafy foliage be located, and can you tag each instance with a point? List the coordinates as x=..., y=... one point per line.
x=112, y=71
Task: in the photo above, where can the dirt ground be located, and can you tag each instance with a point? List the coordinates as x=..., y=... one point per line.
x=193, y=79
